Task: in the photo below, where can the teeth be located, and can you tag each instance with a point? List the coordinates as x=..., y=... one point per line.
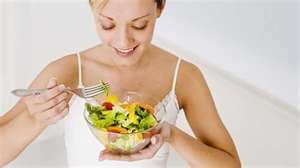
x=125, y=51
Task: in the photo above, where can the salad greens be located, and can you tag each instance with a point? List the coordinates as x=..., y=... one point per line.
x=129, y=120
x=118, y=117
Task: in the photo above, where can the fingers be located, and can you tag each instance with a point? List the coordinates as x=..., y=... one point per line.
x=52, y=83
x=52, y=103
x=166, y=131
x=56, y=110
x=111, y=156
x=58, y=116
x=156, y=143
x=50, y=106
x=48, y=95
x=147, y=153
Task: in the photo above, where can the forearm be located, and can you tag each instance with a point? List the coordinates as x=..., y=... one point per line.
x=16, y=134
x=198, y=154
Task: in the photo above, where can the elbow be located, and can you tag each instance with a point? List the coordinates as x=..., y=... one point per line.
x=236, y=163
x=3, y=161
x=5, y=155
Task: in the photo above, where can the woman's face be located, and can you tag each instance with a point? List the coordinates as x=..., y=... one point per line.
x=126, y=27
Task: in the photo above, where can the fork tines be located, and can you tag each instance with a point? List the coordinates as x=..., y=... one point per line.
x=95, y=90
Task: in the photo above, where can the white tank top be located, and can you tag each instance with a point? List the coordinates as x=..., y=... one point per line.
x=83, y=148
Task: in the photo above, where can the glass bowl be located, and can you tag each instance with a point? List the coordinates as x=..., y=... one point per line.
x=127, y=143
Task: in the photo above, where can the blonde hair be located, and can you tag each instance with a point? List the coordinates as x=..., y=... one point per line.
x=97, y=3
x=100, y=3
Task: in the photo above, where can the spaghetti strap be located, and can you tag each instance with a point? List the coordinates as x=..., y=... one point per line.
x=175, y=75
x=80, y=84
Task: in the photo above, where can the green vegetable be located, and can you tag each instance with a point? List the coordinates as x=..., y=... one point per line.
x=147, y=122
x=126, y=142
x=120, y=117
x=105, y=89
x=141, y=112
x=93, y=109
x=93, y=117
x=132, y=128
x=101, y=118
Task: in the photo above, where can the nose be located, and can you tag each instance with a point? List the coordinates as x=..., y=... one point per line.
x=124, y=39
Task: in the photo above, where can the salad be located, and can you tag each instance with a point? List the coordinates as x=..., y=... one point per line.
x=121, y=126
x=114, y=116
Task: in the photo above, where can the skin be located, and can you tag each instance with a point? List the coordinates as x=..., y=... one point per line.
x=122, y=30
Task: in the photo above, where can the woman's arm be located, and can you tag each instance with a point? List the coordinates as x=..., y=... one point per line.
x=19, y=127
x=17, y=133
x=213, y=146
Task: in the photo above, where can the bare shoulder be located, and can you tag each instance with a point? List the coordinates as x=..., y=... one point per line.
x=190, y=72
x=200, y=110
x=190, y=80
x=190, y=77
x=64, y=69
x=66, y=62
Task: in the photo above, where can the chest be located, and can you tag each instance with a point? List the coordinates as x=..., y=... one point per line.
x=155, y=82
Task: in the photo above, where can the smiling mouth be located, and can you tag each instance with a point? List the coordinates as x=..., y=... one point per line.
x=125, y=52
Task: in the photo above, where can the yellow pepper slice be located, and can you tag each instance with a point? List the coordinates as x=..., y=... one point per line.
x=112, y=99
x=132, y=117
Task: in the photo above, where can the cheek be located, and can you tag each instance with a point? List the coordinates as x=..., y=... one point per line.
x=104, y=36
x=145, y=36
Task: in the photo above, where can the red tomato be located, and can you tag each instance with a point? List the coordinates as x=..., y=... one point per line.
x=108, y=105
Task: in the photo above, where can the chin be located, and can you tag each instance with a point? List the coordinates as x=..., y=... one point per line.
x=126, y=61
x=131, y=57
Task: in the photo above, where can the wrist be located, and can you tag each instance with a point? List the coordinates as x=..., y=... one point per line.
x=35, y=122
x=170, y=135
x=40, y=125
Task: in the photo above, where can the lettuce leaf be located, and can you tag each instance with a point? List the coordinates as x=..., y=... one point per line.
x=147, y=122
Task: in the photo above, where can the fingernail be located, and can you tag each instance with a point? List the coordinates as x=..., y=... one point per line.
x=101, y=157
x=155, y=139
x=61, y=87
x=65, y=95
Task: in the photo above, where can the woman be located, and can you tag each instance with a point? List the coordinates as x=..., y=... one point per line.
x=128, y=61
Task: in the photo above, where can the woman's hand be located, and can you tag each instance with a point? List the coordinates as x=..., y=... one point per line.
x=149, y=152
x=50, y=106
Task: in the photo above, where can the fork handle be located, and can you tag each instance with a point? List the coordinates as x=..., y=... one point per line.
x=27, y=92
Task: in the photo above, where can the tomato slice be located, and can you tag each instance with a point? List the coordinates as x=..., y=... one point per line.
x=108, y=105
x=117, y=130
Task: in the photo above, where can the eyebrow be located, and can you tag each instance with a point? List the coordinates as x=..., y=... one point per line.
x=132, y=20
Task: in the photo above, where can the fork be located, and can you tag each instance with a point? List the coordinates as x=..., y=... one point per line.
x=84, y=92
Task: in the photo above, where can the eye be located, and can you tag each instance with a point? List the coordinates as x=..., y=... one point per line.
x=140, y=26
x=107, y=27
